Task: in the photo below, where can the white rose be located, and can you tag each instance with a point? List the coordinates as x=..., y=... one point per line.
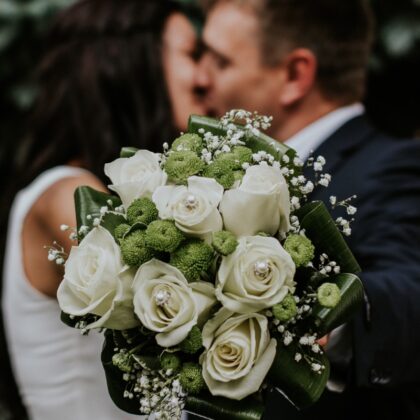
x=167, y=304
x=260, y=204
x=194, y=208
x=136, y=176
x=258, y=275
x=238, y=353
x=95, y=282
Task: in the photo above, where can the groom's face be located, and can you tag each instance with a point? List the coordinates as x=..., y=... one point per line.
x=232, y=70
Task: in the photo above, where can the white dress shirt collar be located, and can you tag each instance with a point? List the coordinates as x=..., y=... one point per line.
x=312, y=136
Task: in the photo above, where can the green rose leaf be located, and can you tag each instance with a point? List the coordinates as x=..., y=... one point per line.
x=127, y=152
x=149, y=362
x=204, y=404
x=300, y=384
x=88, y=202
x=114, y=378
x=256, y=142
x=320, y=228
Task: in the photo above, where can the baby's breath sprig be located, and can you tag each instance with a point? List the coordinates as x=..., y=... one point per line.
x=73, y=232
x=327, y=267
x=158, y=391
x=344, y=225
x=346, y=203
x=56, y=253
x=253, y=121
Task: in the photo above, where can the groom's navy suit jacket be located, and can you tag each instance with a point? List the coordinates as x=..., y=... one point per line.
x=383, y=378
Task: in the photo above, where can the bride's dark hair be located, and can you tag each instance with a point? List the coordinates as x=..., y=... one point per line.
x=101, y=86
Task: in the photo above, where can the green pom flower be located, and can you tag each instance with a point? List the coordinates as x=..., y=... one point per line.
x=286, y=309
x=134, y=250
x=170, y=361
x=300, y=249
x=181, y=165
x=120, y=231
x=192, y=258
x=163, y=235
x=188, y=142
x=222, y=171
x=328, y=295
x=224, y=242
x=191, y=378
x=123, y=361
x=238, y=156
x=193, y=342
x=142, y=210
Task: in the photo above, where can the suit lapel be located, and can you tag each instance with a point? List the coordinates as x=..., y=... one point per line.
x=346, y=139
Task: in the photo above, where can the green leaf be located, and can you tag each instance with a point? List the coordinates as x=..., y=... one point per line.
x=111, y=220
x=255, y=142
x=114, y=378
x=296, y=380
x=324, y=234
x=69, y=320
x=150, y=362
x=127, y=152
x=351, y=289
x=221, y=408
x=89, y=202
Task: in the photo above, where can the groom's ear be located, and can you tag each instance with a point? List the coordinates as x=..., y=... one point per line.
x=298, y=70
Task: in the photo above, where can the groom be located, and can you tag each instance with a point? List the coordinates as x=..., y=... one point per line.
x=303, y=62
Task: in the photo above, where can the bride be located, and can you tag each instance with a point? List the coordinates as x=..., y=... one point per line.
x=102, y=86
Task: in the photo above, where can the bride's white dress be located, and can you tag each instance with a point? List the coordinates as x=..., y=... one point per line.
x=58, y=371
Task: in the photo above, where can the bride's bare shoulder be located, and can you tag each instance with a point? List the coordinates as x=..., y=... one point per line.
x=57, y=202
x=42, y=227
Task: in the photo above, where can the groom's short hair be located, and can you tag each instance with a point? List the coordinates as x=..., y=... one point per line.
x=338, y=32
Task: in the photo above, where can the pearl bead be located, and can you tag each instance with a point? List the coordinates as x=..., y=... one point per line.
x=261, y=268
x=190, y=201
x=162, y=297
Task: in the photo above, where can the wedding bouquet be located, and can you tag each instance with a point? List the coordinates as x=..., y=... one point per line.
x=211, y=273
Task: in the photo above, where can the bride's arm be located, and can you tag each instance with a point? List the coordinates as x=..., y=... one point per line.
x=42, y=227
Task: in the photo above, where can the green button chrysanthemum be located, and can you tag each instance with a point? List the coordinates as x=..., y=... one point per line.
x=192, y=258
x=286, y=309
x=300, y=249
x=188, y=142
x=193, y=342
x=121, y=230
x=191, y=378
x=224, y=242
x=328, y=295
x=163, y=235
x=134, y=250
x=181, y=165
x=222, y=171
x=170, y=361
x=238, y=156
x=142, y=210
